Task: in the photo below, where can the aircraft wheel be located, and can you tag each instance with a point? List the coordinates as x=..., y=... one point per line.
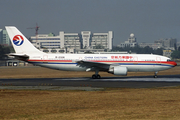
x=94, y=76
x=98, y=76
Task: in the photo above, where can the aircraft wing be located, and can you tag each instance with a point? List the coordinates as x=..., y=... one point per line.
x=90, y=65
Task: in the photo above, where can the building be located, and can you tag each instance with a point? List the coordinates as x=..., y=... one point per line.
x=154, y=46
x=86, y=37
x=170, y=43
x=131, y=42
x=102, y=40
x=167, y=53
x=178, y=44
x=88, y=51
x=4, y=38
x=71, y=42
x=159, y=41
x=167, y=43
x=46, y=41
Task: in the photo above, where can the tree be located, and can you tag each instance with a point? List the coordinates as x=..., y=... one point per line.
x=148, y=50
x=3, y=51
x=175, y=55
x=158, y=51
x=178, y=48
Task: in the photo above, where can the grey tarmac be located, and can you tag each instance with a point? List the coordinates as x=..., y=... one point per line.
x=90, y=84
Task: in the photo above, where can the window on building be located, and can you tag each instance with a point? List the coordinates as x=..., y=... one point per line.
x=46, y=51
x=53, y=51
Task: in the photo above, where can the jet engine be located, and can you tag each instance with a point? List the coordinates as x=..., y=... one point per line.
x=118, y=70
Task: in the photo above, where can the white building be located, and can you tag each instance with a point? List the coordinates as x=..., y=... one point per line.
x=86, y=35
x=71, y=42
x=103, y=40
x=131, y=42
x=46, y=41
x=51, y=43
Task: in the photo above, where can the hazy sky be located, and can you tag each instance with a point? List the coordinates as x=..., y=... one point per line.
x=149, y=20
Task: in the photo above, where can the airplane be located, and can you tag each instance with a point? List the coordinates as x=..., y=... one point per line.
x=117, y=64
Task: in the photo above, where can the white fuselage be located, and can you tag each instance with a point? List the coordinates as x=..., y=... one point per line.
x=133, y=62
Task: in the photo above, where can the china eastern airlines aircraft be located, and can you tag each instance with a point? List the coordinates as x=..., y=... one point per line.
x=117, y=64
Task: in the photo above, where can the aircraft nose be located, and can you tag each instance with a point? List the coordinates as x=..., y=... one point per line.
x=175, y=64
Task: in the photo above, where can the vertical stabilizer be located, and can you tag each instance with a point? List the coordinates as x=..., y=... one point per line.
x=20, y=43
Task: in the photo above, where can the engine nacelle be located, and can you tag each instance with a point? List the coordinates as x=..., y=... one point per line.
x=118, y=70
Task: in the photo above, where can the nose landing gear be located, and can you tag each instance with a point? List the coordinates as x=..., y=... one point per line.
x=155, y=74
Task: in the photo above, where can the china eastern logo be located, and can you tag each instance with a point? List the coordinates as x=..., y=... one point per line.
x=18, y=40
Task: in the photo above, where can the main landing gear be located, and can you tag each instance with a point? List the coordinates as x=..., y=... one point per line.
x=96, y=75
x=155, y=74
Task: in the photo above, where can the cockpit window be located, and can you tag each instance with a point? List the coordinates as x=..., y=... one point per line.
x=169, y=60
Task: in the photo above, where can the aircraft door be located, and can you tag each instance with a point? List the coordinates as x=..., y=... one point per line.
x=158, y=60
x=45, y=58
x=135, y=58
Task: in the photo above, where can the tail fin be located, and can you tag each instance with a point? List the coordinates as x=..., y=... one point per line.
x=20, y=43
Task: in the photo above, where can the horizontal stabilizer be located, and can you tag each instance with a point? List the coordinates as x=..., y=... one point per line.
x=19, y=56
